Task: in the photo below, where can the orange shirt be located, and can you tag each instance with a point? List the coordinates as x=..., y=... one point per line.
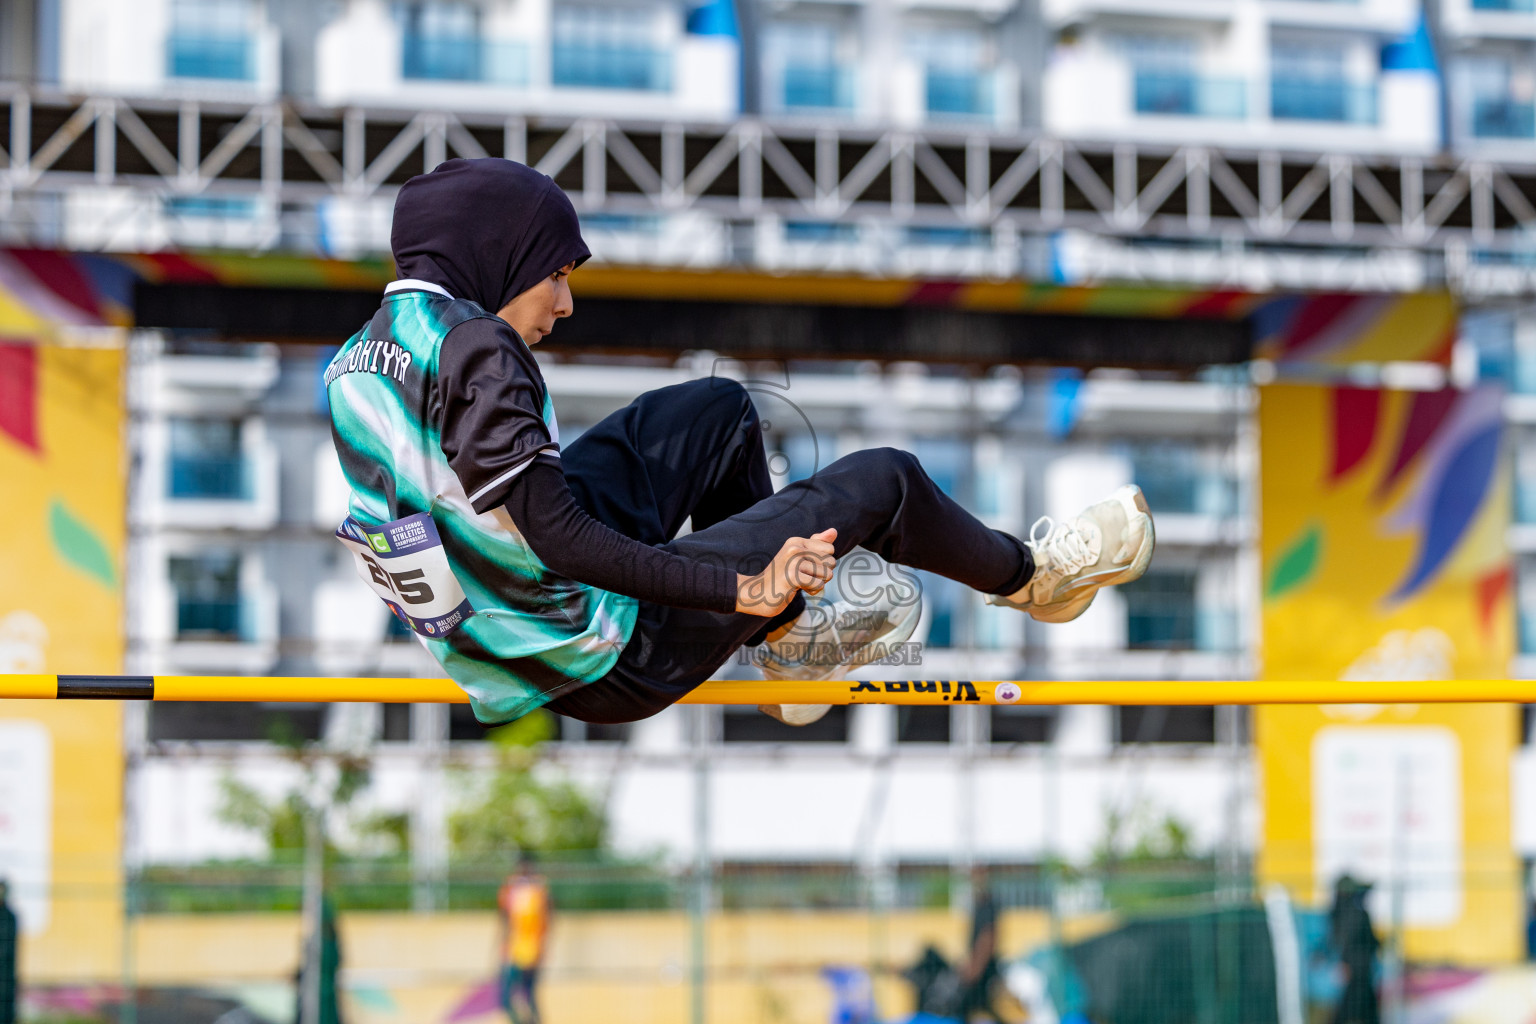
x=524, y=907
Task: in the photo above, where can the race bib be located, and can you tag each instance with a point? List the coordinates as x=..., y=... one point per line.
x=405, y=564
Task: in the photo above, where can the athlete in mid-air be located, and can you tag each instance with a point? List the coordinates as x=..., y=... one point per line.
x=543, y=575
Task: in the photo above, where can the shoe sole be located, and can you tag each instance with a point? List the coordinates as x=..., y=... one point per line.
x=1136, y=507
x=898, y=630
x=808, y=713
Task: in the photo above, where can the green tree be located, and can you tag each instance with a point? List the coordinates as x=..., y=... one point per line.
x=522, y=805
x=1146, y=857
x=330, y=778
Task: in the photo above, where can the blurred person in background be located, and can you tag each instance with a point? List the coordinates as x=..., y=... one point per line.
x=524, y=909
x=979, y=971
x=8, y=935
x=567, y=584
x=1530, y=920
x=328, y=1005
x=1354, y=939
x=1530, y=928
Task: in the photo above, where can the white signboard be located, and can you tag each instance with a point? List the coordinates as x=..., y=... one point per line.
x=26, y=819
x=1386, y=806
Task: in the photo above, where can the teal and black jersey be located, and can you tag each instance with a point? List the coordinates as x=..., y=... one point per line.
x=424, y=426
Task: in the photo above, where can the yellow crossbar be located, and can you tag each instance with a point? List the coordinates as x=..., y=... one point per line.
x=930, y=692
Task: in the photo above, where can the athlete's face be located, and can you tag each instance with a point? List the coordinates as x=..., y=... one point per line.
x=533, y=313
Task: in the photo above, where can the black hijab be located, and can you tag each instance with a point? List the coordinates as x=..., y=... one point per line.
x=486, y=230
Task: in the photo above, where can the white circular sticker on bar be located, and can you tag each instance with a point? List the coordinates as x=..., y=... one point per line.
x=1007, y=693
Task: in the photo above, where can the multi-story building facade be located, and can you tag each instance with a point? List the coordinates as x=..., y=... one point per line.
x=1293, y=75
x=236, y=493
x=235, y=489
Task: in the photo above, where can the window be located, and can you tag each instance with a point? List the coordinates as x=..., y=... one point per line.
x=396, y=726
x=1525, y=486
x=1181, y=479
x=749, y=725
x=463, y=726
x=949, y=237
x=805, y=67
x=609, y=48
x=1162, y=723
x=947, y=461
x=922, y=725
x=941, y=604
x=1165, y=79
x=620, y=223
x=212, y=39
x=1163, y=68
x=1503, y=100
x=573, y=731
x=440, y=41
x=208, y=605
x=791, y=456
x=1160, y=611
x=1308, y=82
x=957, y=72
x=212, y=207
x=224, y=720
x=1526, y=620
x=1492, y=334
x=1022, y=724
x=820, y=231
x=206, y=460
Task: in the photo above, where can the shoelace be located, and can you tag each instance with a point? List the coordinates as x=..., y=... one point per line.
x=1059, y=548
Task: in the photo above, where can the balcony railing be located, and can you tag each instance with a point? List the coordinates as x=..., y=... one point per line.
x=1499, y=117
x=466, y=59
x=611, y=67
x=959, y=93
x=1322, y=99
x=208, y=618
x=227, y=58
x=218, y=477
x=1186, y=94
x=817, y=87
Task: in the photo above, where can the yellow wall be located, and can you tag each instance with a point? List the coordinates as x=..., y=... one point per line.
x=632, y=967
x=61, y=611
x=1342, y=532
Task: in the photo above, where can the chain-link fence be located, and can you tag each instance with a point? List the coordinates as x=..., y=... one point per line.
x=643, y=940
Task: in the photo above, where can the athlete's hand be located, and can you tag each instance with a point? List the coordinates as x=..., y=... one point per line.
x=803, y=563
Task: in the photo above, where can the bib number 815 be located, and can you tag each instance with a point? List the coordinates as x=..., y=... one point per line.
x=412, y=585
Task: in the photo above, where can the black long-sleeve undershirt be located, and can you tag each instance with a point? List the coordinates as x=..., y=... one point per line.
x=573, y=544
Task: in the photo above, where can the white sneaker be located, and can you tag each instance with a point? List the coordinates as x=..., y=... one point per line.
x=1107, y=543
x=795, y=714
x=828, y=639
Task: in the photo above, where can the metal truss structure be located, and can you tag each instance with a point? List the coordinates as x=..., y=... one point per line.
x=1010, y=185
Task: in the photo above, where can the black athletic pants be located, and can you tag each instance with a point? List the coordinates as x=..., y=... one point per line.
x=696, y=450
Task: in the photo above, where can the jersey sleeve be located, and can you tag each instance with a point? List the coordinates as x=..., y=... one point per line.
x=490, y=408
x=573, y=544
